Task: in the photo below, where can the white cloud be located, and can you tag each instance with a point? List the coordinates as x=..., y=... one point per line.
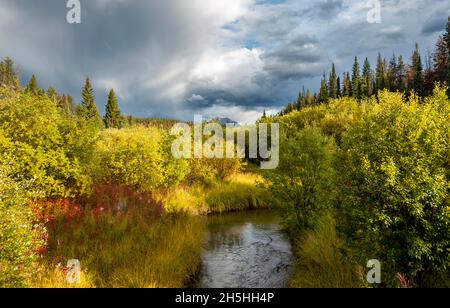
x=178, y=57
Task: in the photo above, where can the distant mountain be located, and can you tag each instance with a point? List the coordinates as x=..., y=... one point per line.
x=225, y=121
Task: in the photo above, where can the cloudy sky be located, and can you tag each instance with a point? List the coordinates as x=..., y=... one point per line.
x=234, y=58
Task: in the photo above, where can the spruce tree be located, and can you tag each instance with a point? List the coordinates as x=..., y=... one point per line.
x=366, y=80
x=381, y=76
x=440, y=60
x=417, y=73
x=89, y=109
x=33, y=86
x=53, y=94
x=428, y=76
x=356, y=80
x=401, y=78
x=347, y=90
x=333, y=83
x=392, y=74
x=339, y=91
x=324, y=93
x=113, y=117
x=447, y=40
x=310, y=99
x=9, y=78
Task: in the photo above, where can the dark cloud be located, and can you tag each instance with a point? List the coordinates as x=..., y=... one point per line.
x=174, y=58
x=435, y=23
x=325, y=9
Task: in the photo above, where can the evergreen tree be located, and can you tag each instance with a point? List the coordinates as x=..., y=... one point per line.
x=428, y=76
x=347, y=91
x=401, y=76
x=440, y=60
x=324, y=93
x=53, y=94
x=339, y=91
x=381, y=76
x=301, y=99
x=310, y=98
x=447, y=40
x=113, y=117
x=366, y=80
x=417, y=73
x=333, y=83
x=33, y=86
x=392, y=74
x=356, y=80
x=88, y=108
x=67, y=106
x=9, y=78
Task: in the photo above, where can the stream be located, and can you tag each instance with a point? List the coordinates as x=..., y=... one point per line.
x=245, y=250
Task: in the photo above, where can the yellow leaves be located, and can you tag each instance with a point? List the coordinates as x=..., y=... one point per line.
x=136, y=157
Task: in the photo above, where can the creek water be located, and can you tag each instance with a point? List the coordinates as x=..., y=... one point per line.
x=245, y=250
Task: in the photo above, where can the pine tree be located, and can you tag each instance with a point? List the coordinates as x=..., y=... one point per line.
x=366, y=80
x=347, y=90
x=9, y=78
x=310, y=98
x=324, y=93
x=392, y=74
x=333, y=83
x=67, y=106
x=113, y=117
x=356, y=80
x=381, y=76
x=417, y=73
x=401, y=77
x=339, y=91
x=88, y=107
x=447, y=40
x=301, y=99
x=33, y=86
x=53, y=94
x=440, y=60
x=428, y=76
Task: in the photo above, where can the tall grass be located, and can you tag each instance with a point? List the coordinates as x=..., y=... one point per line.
x=322, y=261
x=237, y=192
x=130, y=239
x=136, y=246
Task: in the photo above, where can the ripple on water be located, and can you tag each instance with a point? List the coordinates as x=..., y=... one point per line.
x=246, y=250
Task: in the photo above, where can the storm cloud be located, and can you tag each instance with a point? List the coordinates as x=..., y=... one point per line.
x=176, y=58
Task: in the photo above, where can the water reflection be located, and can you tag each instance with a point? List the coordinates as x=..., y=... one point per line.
x=246, y=250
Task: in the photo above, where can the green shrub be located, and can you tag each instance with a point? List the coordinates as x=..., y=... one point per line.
x=303, y=181
x=395, y=176
x=35, y=142
x=20, y=237
x=138, y=157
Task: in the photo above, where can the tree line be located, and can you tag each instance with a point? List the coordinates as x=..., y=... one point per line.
x=395, y=75
x=113, y=118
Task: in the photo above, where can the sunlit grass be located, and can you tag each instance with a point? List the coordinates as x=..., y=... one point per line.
x=238, y=192
x=128, y=250
x=320, y=261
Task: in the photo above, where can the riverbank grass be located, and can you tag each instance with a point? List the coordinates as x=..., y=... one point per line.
x=321, y=259
x=134, y=250
x=238, y=192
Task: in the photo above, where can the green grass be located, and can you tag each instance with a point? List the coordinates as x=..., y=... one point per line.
x=236, y=193
x=321, y=261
